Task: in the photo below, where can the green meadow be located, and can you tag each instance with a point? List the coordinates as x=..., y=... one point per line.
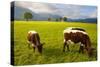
x=52, y=34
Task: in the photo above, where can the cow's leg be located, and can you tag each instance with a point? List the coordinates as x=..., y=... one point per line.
x=81, y=49
x=64, y=46
x=34, y=49
x=67, y=44
x=28, y=44
x=67, y=47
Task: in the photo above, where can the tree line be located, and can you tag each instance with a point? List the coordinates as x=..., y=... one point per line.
x=58, y=19
x=28, y=16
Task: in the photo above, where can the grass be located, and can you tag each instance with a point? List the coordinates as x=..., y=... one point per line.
x=52, y=34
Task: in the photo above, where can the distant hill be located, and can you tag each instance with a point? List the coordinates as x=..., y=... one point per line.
x=90, y=20
x=43, y=11
x=18, y=14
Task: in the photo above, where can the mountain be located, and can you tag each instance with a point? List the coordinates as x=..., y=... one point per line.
x=91, y=20
x=43, y=11
x=45, y=16
x=17, y=13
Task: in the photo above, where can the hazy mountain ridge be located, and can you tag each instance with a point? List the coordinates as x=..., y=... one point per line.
x=54, y=13
x=19, y=14
x=92, y=20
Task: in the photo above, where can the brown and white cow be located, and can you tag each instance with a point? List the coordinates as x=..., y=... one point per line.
x=77, y=35
x=34, y=41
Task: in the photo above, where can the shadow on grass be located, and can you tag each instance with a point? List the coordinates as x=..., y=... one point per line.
x=52, y=51
x=57, y=52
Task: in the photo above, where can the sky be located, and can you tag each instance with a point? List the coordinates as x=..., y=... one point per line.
x=68, y=10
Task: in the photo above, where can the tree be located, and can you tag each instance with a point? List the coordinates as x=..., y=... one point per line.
x=49, y=19
x=57, y=19
x=65, y=18
x=61, y=19
x=28, y=15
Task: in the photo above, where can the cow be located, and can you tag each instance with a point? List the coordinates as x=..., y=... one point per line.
x=73, y=35
x=34, y=41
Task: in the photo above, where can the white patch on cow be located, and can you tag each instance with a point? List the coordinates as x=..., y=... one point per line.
x=33, y=32
x=69, y=30
x=64, y=40
x=70, y=42
x=82, y=44
x=32, y=45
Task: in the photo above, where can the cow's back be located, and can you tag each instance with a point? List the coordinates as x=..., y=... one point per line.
x=75, y=34
x=33, y=37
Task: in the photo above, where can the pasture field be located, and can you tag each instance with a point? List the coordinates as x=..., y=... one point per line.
x=52, y=34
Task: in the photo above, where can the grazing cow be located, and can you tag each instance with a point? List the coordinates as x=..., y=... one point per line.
x=34, y=41
x=77, y=35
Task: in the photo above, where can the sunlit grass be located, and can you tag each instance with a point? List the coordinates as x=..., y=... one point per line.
x=52, y=34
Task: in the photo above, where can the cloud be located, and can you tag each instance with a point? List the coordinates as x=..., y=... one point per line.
x=36, y=7
x=93, y=14
x=71, y=11
x=77, y=11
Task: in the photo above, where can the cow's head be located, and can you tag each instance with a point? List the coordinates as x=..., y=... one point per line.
x=90, y=51
x=40, y=47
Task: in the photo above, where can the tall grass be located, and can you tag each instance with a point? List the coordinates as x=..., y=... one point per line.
x=52, y=34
